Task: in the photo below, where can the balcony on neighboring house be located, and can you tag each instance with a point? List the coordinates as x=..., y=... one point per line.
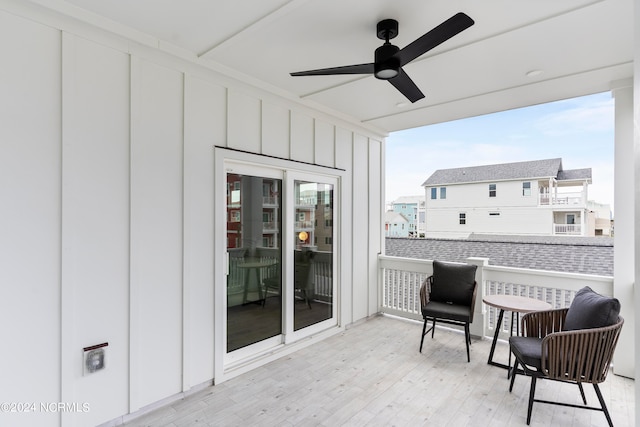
x=269, y=226
x=568, y=229
x=570, y=199
x=269, y=201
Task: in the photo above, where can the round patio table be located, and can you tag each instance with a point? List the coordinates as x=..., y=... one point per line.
x=516, y=305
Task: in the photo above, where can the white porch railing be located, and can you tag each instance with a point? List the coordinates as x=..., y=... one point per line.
x=321, y=272
x=400, y=280
x=563, y=199
x=571, y=229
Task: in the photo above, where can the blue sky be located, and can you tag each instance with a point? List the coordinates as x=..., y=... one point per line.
x=579, y=130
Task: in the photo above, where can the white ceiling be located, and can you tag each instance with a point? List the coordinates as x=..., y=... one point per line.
x=581, y=47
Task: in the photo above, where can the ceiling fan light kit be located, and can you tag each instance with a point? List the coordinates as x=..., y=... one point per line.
x=389, y=59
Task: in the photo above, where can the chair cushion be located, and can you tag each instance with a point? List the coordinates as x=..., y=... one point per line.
x=528, y=350
x=591, y=310
x=453, y=283
x=442, y=310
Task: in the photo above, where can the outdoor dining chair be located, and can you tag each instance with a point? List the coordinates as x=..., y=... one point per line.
x=448, y=296
x=573, y=345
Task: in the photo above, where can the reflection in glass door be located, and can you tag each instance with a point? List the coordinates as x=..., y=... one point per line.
x=313, y=253
x=254, y=282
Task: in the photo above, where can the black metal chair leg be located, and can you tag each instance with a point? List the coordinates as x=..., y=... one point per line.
x=467, y=339
x=433, y=328
x=532, y=393
x=603, y=405
x=513, y=374
x=424, y=328
x=584, y=399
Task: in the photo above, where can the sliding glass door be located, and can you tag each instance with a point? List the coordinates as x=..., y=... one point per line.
x=313, y=253
x=280, y=281
x=254, y=247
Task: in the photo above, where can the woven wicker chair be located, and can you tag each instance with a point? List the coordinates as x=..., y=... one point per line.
x=577, y=356
x=449, y=296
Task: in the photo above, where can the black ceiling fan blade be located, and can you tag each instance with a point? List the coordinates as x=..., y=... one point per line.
x=406, y=86
x=443, y=32
x=347, y=69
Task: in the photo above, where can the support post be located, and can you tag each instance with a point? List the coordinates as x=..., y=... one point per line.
x=478, y=327
x=624, y=259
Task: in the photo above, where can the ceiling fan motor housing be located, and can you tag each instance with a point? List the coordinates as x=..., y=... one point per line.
x=386, y=66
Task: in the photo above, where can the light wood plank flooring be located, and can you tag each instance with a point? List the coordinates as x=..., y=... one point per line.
x=373, y=375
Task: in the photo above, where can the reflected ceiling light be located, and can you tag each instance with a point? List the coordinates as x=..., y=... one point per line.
x=303, y=236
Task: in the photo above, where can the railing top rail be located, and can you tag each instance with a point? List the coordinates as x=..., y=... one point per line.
x=408, y=264
x=537, y=272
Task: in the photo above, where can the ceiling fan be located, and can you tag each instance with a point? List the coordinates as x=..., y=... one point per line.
x=389, y=59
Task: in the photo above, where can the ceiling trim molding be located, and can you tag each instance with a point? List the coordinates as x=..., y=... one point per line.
x=256, y=25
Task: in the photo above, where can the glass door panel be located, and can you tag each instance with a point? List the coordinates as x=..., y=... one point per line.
x=254, y=282
x=313, y=253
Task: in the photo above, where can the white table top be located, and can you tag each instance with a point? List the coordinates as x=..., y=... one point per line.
x=256, y=263
x=516, y=303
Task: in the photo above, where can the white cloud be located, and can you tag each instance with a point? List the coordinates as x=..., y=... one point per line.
x=587, y=115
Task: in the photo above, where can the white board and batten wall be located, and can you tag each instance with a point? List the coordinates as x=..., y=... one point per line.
x=107, y=184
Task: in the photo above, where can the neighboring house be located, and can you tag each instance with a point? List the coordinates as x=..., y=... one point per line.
x=603, y=221
x=413, y=208
x=528, y=198
x=395, y=225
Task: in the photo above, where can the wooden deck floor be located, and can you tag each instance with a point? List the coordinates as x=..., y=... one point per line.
x=373, y=375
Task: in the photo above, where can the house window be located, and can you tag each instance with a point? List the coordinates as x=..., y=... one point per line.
x=526, y=188
x=434, y=193
x=463, y=218
x=492, y=190
x=571, y=219
x=443, y=192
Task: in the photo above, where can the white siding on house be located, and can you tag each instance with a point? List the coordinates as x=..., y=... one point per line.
x=205, y=125
x=360, y=235
x=156, y=232
x=509, y=212
x=95, y=221
x=508, y=194
x=30, y=190
x=107, y=169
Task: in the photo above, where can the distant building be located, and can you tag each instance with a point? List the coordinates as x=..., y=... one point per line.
x=395, y=225
x=603, y=220
x=524, y=198
x=413, y=208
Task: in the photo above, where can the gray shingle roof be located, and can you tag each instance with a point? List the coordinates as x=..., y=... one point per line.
x=552, y=253
x=574, y=174
x=533, y=169
x=390, y=216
